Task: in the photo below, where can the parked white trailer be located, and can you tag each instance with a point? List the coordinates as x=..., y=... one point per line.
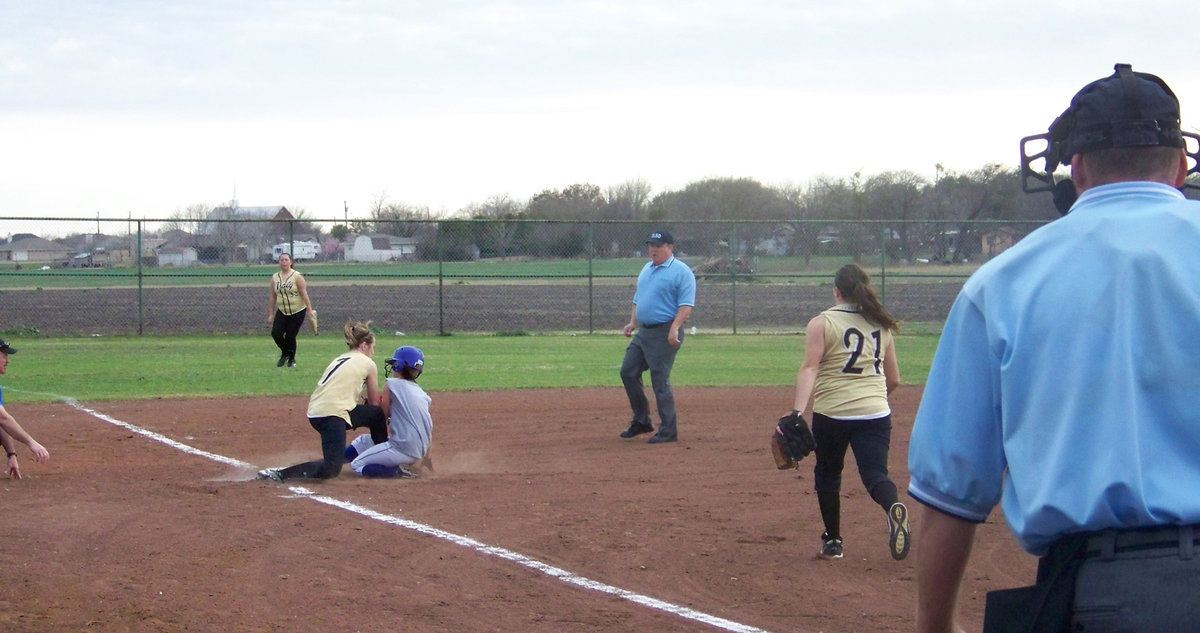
x=303, y=250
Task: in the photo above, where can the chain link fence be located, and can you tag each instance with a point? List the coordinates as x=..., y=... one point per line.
x=78, y=277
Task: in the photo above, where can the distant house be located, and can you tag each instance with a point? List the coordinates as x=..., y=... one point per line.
x=34, y=249
x=998, y=240
x=380, y=248
x=95, y=249
x=240, y=240
x=236, y=212
x=177, y=256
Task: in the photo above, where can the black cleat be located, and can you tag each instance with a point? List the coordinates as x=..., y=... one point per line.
x=637, y=428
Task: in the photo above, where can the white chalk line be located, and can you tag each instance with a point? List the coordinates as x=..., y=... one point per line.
x=463, y=541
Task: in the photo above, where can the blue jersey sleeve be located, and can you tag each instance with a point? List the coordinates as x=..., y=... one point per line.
x=687, y=287
x=956, y=460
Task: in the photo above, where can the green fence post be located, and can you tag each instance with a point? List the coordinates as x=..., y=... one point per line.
x=733, y=273
x=141, y=304
x=591, y=242
x=441, y=279
x=883, y=240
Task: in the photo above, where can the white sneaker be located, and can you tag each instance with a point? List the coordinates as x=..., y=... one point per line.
x=274, y=474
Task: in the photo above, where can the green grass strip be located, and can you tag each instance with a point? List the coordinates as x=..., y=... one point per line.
x=120, y=368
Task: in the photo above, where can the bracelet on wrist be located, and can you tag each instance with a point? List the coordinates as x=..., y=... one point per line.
x=12, y=454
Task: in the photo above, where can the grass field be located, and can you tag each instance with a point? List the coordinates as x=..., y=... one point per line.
x=216, y=366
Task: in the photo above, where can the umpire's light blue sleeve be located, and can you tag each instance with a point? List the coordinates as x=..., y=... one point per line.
x=956, y=458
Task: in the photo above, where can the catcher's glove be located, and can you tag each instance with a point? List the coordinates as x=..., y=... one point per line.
x=791, y=441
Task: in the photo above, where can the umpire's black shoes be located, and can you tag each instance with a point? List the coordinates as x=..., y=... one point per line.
x=660, y=439
x=637, y=428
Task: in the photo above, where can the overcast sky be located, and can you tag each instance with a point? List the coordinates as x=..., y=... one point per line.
x=144, y=107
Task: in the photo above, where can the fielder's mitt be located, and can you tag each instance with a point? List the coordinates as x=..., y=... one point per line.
x=791, y=441
x=312, y=320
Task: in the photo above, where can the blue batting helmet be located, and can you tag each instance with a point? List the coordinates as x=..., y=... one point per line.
x=406, y=357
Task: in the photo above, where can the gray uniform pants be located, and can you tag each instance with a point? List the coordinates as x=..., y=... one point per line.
x=649, y=350
x=1139, y=584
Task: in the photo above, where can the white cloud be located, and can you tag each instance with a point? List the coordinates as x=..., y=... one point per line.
x=146, y=107
x=67, y=45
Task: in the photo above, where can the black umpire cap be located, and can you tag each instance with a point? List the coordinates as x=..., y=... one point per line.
x=6, y=348
x=1125, y=109
x=658, y=238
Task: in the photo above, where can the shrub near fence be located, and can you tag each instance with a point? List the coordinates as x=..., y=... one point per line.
x=457, y=277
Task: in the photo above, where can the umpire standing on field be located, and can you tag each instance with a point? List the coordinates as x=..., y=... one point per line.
x=665, y=296
x=1065, y=387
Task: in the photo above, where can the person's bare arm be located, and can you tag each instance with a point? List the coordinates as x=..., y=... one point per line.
x=373, y=386
x=943, y=544
x=676, y=323
x=9, y=425
x=271, y=304
x=12, y=468
x=302, y=286
x=632, y=324
x=891, y=367
x=814, y=351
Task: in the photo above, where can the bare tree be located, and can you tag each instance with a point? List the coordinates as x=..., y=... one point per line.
x=628, y=200
x=897, y=196
x=499, y=233
x=188, y=219
x=394, y=218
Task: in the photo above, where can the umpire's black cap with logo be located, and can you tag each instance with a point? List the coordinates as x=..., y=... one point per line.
x=6, y=348
x=658, y=238
x=1125, y=109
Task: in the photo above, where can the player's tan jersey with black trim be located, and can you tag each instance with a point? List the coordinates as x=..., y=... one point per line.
x=287, y=293
x=340, y=385
x=850, y=379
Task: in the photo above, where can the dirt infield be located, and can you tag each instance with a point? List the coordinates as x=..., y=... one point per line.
x=574, y=528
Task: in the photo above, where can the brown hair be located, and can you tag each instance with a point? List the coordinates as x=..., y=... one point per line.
x=855, y=286
x=357, y=333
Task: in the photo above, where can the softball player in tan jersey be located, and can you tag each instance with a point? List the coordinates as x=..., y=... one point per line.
x=849, y=368
x=334, y=406
x=285, y=313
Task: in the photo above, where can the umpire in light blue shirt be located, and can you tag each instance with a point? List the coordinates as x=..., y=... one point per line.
x=666, y=293
x=1065, y=387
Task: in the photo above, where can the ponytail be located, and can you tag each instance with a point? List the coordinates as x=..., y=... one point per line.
x=357, y=333
x=854, y=285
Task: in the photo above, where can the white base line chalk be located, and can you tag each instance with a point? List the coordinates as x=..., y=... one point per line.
x=463, y=541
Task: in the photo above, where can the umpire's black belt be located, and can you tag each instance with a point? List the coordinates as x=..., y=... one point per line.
x=654, y=325
x=1108, y=544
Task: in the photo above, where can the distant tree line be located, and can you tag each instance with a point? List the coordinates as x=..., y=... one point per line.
x=989, y=193
x=941, y=216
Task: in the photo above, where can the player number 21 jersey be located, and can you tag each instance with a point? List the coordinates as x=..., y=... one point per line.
x=850, y=380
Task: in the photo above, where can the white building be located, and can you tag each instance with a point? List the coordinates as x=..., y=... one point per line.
x=177, y=256
x=380, y=248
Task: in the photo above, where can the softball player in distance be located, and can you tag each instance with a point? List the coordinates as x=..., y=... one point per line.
x=285, y=313
x=849, y=368
x=409, y=421
x=334, y=406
